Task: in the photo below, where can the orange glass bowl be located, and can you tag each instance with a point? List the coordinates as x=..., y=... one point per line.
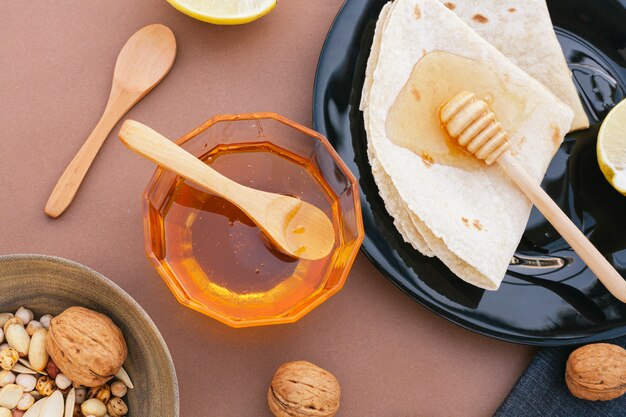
x=214, y=259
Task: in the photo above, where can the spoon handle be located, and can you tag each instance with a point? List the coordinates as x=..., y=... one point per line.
x=605, y=272
x=150, y=144
x=66, y=188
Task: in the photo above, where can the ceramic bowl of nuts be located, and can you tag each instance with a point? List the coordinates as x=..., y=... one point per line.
x=74, y=344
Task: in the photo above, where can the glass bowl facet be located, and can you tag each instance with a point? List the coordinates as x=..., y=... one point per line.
x=214, y=259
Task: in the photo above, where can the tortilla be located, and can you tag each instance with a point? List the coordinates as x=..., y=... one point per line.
x=393, y=203
x=432, y=204
x=523, y=32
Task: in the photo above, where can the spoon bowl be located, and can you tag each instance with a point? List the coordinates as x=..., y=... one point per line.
x=306, y=229
x=145, y=59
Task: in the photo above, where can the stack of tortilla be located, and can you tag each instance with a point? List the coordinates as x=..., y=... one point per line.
x=471, y=219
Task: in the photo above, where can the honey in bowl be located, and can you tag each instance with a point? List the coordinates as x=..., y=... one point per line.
x=214, y=245
x=215, y=259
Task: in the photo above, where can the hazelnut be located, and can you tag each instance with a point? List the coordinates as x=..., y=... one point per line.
x=597, y=372
x=119, y=389
x=102, y=393
x=45, y=386
x=26, y=381
x=33, y=326
x=86, y=346
x=45, y=321
x=117, y=407
x=62, y=382
x=25, y=315
x=302, y=389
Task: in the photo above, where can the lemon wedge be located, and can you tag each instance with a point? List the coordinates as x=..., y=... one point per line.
x=611, y=148
x=224, y=12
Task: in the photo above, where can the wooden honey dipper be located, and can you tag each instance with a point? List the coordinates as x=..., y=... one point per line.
x=474, y=126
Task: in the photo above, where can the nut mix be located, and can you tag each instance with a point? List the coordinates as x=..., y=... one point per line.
x=89, y=349
x=301, y=389
x=597, y=372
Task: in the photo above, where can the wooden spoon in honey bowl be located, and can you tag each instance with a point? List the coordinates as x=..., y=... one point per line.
x=295, y=227
x=143, y=62
x=469, y=121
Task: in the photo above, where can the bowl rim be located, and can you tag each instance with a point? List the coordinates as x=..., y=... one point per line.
x=181, y=294
x=119, y=290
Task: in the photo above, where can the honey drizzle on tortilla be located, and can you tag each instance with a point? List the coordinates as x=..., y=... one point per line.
x=413, y=120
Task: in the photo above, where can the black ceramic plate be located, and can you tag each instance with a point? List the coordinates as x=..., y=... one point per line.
x=548, y=297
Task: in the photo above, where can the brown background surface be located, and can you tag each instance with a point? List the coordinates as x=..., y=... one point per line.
x=393, y=357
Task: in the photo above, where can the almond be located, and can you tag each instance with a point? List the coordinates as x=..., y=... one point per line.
x=37, y=354
x=18, y=338
x=10, y=395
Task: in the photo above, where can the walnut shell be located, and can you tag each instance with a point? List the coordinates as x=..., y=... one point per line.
x=597, y=372
x=301, y=389
x=86, y=346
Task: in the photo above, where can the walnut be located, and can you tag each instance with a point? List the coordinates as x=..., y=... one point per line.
x=86, y=346
x=597, y=372
x=301, y=389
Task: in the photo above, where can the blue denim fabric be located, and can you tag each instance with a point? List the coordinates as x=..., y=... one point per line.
x=541, y=391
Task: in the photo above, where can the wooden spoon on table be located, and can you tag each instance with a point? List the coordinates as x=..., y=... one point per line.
x=296, y=227
x=470, y=122
x=142, y=63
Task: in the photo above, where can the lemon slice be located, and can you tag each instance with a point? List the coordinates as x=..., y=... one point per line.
x=612, y=147
x=224, y=12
